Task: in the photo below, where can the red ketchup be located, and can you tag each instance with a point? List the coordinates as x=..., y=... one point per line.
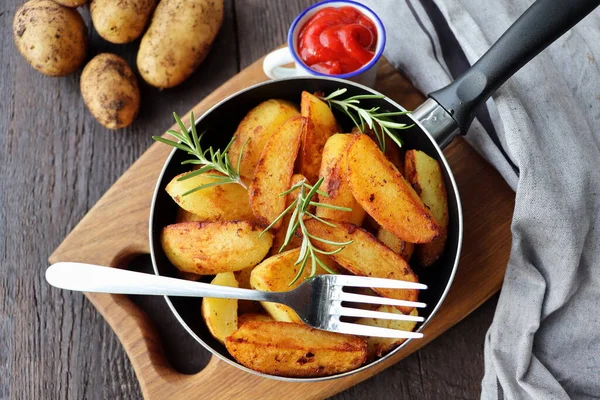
x=337, y=40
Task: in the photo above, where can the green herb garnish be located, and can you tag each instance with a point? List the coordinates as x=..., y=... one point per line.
x=300, y=207
x=209, y=159
x=379, y=122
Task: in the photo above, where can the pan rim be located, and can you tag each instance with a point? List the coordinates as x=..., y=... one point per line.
x=365, y=366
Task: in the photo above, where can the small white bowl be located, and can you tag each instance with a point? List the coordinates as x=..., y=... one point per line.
x=274, y=61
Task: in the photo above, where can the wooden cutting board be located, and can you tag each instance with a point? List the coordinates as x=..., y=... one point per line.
x=115, y=230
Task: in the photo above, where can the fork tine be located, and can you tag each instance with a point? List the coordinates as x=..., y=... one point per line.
x=357, y=312
x=363, y=281
x=365, y=330
x=363, y=298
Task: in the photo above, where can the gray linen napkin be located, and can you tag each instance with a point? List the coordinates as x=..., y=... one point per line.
x=541, y=130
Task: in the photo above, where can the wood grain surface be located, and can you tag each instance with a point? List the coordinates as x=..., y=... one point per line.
x=56, y=162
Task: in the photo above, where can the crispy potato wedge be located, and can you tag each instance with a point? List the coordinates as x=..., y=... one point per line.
x=254, y=316
x=275, y=274
x=383, y=193
x=425, y=176
x=392, y=152
x=378, y=346
x=274, y=172
x=255, y=130
x=334, y=171
x=246, y=306
x=366, y=256
x=279, y=235
x=288, y=349
x=216, y=203
x=405, y=249
x=208, y=248
x=321, y=125
x=221, y=315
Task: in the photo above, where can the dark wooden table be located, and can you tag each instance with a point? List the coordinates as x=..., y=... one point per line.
x=55, y=163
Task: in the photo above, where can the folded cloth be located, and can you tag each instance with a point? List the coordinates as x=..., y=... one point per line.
x=541, y=131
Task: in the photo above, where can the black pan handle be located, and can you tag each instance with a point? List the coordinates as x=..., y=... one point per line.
x=542, y=23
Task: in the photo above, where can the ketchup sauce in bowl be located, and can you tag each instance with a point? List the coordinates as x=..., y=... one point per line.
x=337, y=41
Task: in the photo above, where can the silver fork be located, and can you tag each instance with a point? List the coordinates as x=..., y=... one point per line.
x=317, y=301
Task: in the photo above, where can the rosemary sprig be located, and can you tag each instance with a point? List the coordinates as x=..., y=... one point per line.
x=209, y=159
x=380, y=122
x=300, y=207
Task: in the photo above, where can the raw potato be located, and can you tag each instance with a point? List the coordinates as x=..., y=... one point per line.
x=334, y=171
x=366, y=256
x=255, y=130
x=274, y=172
x=220, y=315
x=295, y=350
x=425, y=176
x=110, y=91
x=208, y=248
x=71, y=3
x=121, y=21
x=247, y=317
x=275, y=274
x=405, y=249
x=378, y=346
x=279, y=235
x=321, y=125
x=178, y=39
x=52, y=38
x=216, y=203
x=383, y=193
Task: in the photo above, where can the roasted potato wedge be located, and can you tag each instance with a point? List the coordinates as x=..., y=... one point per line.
x=188, y=276
x=366, y=256
x=252, y=316
x=392, y=152
x=208, y=248
x=221, y=315
x=279, y=235
x=275, y=274
x=321, y=125
x=334, y=171
x=378, y=346
x=215, y=203
x=295, y=350
x=274, y=172
x=246, y=306
x=425, y=176
x=405, y=249
x=255, y=130
x=383, y=193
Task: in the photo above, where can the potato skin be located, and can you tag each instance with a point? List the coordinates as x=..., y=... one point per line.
x=208, y=248
x=386, y=196
x=121, y=21
x=215, y=203
x=52, y=38
x=334, y=172
x=366, y=256
x=71, y=3
x=425, y=176
x=321, y=125
x=255, y=130
x=274, y=172
x=110, y=91
x=178, y=39
x=295, y=350
x=220, y=315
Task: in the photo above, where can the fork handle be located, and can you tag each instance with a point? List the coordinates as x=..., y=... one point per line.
x=94, y=278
